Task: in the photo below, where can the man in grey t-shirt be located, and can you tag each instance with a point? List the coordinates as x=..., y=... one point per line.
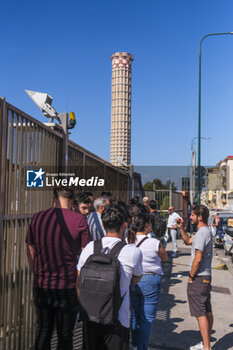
x=199, y=283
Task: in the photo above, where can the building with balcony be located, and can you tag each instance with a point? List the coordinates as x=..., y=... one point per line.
x=220, y=184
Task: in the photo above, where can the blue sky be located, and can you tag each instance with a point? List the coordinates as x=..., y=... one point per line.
x=64, y=48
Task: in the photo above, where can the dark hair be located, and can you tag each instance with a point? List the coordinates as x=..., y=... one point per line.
x=89, y=194
x=134, y=200
x=113, y=217
x=137, y=209
x=106, y=194
x=125, y=209
x=152, y=204
x=203, y=211
x=134, y=210
x=139, y=222
x=81, y=197
x=131, y=236
x=142, y=208
x=63, y=191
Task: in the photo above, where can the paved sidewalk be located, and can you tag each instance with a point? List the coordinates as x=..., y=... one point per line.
x=174, y=328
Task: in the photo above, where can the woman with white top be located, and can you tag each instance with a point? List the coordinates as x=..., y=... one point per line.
x=145, y=295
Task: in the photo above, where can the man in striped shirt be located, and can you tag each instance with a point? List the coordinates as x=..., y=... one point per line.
x=94, y=220
x=54, y=239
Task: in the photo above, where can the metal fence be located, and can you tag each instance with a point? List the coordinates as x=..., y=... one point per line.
x=165, y=198
x=25, y=142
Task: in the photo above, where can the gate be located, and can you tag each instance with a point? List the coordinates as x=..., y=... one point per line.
x=25, y=142
x=165, y=198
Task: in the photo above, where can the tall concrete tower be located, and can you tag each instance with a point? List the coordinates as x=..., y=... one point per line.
x=121, y=108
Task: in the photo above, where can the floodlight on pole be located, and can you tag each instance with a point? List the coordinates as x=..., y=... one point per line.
x=119, y=159
x=66, y=122
x=44, y=103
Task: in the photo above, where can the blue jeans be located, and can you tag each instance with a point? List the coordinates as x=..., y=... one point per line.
x=173, y=233
x=144, y=303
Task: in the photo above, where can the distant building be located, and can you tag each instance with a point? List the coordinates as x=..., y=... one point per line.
x=220, y=184
x=121, y=108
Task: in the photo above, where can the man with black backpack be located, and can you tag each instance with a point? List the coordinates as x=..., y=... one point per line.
x=158, y=223
x=105, y=270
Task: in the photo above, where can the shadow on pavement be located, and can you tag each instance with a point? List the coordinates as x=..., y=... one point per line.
x=163, y=332
x=225, y=342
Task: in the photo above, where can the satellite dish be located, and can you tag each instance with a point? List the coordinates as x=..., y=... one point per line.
x=44, y=102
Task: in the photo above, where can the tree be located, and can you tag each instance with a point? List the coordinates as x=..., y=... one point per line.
x=167, y=185
x=158, y=185
x=165, y=203
x=148, y=186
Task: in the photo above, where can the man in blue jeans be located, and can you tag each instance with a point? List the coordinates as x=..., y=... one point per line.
x=172, y=229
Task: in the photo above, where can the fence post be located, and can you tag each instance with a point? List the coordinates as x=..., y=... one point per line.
x=154, y=193
x=170, y=194
x=3, y=149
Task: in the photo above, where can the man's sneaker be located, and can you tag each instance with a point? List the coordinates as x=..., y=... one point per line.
x=173, y=255
x=199, y=346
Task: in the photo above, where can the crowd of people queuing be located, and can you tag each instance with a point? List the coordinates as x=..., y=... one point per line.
x=61, y=241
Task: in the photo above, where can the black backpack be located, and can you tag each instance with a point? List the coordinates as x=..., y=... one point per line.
x=99, y=285
x=159, y=224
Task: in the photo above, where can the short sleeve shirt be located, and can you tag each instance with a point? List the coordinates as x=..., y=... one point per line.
x=172, y=219
x=203, y=241
x=130, y=258
x=58, y=236
x=151, y=262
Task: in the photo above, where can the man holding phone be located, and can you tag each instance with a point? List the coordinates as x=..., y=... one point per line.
x=199, y=282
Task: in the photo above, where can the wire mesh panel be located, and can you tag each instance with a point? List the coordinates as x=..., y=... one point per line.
x=112, y=179
x=75, y=159
x=94, y=170
x=177, y=202
x=123, y=187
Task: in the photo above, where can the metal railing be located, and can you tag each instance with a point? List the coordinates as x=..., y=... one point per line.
x=25, y=142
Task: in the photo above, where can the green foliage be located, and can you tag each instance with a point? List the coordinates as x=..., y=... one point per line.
x=148, y=186
x=165, y=203
x=158, y=185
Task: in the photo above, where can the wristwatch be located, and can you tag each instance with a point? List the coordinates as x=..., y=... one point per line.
x=192, y=277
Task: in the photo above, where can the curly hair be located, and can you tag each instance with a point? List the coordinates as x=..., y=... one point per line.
x=113, y=218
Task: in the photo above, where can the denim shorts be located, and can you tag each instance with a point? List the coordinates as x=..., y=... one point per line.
x=199, y=296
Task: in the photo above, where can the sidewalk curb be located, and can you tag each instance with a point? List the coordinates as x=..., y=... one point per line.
x=221, y=266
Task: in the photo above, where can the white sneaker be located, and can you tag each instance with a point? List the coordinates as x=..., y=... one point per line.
x=199, y=346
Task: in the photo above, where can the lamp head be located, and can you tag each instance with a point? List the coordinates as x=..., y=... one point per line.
x=44, y=102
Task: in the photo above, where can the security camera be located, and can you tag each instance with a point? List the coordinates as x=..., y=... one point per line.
x=44, y=102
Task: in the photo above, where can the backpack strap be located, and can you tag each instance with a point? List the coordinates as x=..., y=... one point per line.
x=97, y=246
x=138, y=245
x=116, y=249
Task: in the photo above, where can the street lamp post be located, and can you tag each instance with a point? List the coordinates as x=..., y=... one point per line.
x=193, y=169
x=194, y=138
x=199, y=118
